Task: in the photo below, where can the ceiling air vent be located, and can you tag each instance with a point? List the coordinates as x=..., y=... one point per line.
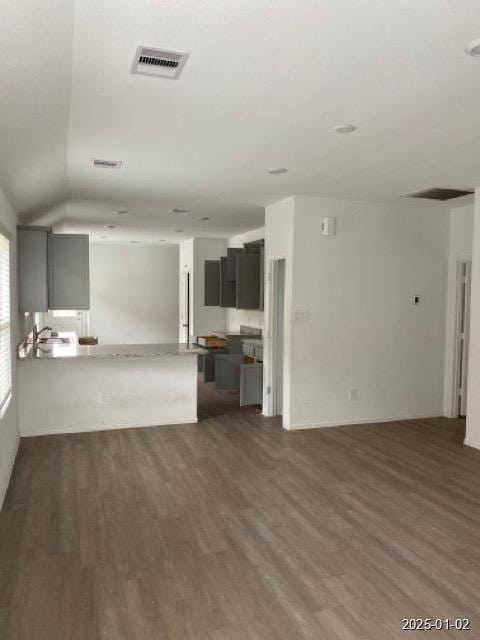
x=108, y=164
x=440, y=193
x=159, y=62
x=179, y=212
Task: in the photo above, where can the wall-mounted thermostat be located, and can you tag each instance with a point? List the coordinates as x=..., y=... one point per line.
x=329, y=226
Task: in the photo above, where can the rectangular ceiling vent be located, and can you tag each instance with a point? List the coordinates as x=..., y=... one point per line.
x=179, y=212
x=108, y=164
x=440, y=193
x=159, y=62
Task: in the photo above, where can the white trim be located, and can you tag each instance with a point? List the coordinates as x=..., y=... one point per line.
x=473, y=445
x=450, y=390
x=457, y=357
x=8, y=475
x=269, y=350
x=51, y=432
x=355, y=421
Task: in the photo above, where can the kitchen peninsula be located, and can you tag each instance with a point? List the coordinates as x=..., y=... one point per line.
x=66, y=388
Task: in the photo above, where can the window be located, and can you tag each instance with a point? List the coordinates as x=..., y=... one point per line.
x=5, y=354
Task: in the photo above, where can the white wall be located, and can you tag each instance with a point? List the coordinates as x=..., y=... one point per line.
x=134, y=293
x=9, y=431
x=473, y=409
x=249, y=317
x=353, y=324
x=460, y=250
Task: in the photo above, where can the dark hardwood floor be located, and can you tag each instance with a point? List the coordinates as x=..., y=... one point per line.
x=234, y=529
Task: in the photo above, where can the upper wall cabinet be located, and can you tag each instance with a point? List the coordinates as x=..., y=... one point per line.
x=212, y=283
x=236, y=281
x=232, y=254
x=248, y=281
x=32, y=255
x=228, y=287
x=68, y=271
x=53, y=270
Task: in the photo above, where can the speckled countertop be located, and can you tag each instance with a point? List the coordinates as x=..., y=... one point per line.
x=29, y=351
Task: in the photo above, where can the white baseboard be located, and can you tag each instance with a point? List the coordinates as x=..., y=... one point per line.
x=52, y=432
x=469, y=443
x=9, y=474
x=355, y=421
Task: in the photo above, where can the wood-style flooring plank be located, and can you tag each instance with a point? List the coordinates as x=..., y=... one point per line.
x=234, y=529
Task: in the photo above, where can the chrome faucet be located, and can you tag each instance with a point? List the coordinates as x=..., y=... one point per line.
x=36, y=333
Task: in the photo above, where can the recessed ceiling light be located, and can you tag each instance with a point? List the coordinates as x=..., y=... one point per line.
x=121, y=212
x=276, y=171
x=178, y=230
x=109, y=226
x=103, y=237
x=134, y=241
x=204, y=219
x=345, y=128
x=162, y=240
x=473, y=49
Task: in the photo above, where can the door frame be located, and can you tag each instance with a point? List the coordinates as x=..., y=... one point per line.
x=461, y=334
x=185, y=311
x=272, y=355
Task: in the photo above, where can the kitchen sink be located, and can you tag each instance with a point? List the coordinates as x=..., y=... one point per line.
x=54, y=341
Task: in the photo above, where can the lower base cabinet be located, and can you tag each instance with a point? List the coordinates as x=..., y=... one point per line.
x=207, y=364
x=233, y=374
x=251, y=384
x=227, y=371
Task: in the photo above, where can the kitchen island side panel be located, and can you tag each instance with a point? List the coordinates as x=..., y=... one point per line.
x=96, y=394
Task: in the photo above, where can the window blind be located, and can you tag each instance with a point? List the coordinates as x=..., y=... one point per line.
x=5, y=355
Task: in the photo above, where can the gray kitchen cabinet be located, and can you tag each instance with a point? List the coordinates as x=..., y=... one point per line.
x=251, y=384
x=212, y=283
x=208, y=364
x=232, y=254
x=248, y=281
x=32, y=258
x=227, y=371
x=68, y=271
x=228, y=289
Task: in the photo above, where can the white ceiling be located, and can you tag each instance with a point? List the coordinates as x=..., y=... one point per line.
x=266, y=82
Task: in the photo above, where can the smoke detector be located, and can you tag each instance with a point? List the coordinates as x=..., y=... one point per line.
x=159, y=62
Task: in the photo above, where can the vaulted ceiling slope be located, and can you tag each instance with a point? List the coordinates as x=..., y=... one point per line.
x=265, y=85
x=35, y=80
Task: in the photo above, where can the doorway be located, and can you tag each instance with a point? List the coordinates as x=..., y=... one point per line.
x=462, y=337
x=278, y=337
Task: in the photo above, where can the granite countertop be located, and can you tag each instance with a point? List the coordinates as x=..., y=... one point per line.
x=72, y=350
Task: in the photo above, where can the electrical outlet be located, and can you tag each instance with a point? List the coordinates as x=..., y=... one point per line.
x=353, y=394
x=302, y=314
